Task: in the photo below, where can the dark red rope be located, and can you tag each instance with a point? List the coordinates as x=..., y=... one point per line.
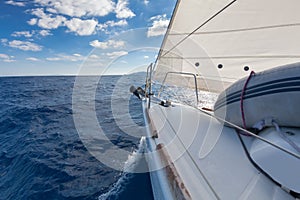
x=242, y=98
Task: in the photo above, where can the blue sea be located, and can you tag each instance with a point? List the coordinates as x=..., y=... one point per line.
x=41, y=153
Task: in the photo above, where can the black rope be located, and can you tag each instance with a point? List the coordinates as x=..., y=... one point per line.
x=251, y=160
x=294, y=194
x=208, y=20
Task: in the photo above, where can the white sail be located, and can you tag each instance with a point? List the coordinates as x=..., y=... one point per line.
x=217, y=39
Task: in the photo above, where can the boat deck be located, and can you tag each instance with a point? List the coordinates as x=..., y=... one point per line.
x=200, y=158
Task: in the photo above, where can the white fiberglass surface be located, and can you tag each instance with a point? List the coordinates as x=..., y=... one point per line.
x=209, y=156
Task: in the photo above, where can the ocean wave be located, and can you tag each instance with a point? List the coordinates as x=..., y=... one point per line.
x=130, y=166
x=41, y=154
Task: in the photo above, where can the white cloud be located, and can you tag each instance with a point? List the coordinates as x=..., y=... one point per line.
x=159, y=25
x=54, y=59
x=44, y=33
x=32, y=59
x=47, y=21
x=15, y=3
x=26, y=34
x=146, y=2
x=109, y=44
x=78, y=8
x=122, y=10
x=76, y=25
x=63, y=57
x=117, y=54
x=82, y=27
x=146, y=57
x=39, y=12
x=104, y=27
x=94, y=56
x=29, y=34
x=32, y=21
x=77, y=55
x=51, y=22
x=78, y=16
x=4, y=40
x=122, y=22
x=6, y=58
x=24, y=45
x=124, y=62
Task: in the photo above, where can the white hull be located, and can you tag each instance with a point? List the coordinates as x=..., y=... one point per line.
x=203, y=159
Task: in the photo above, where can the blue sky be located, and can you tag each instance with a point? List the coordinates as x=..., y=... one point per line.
x=69, y=37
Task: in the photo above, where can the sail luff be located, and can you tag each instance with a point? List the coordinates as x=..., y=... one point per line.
x=167, y=32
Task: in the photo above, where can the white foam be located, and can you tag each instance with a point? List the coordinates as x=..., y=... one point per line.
x=129, y=168
x=135, y=157
x=187, y=96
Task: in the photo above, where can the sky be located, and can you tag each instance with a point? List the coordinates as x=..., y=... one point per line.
x=80, y=37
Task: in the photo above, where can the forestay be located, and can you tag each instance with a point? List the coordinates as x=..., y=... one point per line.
x=218, y=40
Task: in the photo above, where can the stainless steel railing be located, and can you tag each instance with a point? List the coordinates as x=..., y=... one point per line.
x=148, y=85
x=180, y=73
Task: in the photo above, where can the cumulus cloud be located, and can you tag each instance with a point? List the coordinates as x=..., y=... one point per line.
x=109, y=44
x=4, y=41
x=94, y=56
x=26, y=34
x=50, y=21
x=32, y=21
x=122, y=10
x=109, y=24
x=146, y=2
x=77, y=55
x=122, y=22
x=78, y=16
x=47, y=21
x=82, y=27
x=39, y=12
x=78, y=8
x=15, y=3
x=44, y=33
x=117, y=54
x=54, y=59
x=32, y=59
x=63, y=57
x=159, y=25
x=6, y=58
x=29, y=34
x=84, y=8
x=146, y=57
x=24, y=45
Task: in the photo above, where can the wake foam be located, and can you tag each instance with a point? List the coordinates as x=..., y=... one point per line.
x=187, y=96
x=130, y=167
